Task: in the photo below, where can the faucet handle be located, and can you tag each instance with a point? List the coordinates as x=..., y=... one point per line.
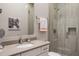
x=28, y=40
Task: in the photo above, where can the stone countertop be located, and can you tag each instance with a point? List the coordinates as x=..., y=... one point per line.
x=12, y=49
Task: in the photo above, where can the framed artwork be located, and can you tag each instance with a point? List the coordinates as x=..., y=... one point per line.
x=13, y=24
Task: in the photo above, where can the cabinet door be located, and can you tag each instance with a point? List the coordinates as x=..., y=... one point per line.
x=33, y=52
x=45, y=49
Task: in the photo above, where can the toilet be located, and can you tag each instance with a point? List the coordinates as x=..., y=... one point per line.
x=53, y=54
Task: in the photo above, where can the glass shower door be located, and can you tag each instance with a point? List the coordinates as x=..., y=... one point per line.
x=67, y=29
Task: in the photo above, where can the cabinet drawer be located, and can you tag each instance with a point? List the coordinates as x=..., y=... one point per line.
x=44, y=54
x=16, y=55
x=33, y=52
x=45, y=48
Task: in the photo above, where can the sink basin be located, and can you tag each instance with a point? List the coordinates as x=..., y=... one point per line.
x=25, y=45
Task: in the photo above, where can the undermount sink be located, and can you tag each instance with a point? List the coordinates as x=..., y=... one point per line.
x=25, y=45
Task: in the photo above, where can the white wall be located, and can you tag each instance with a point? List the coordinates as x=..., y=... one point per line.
x=14, y=10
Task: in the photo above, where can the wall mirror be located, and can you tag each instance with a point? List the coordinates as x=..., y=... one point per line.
x=17, y=18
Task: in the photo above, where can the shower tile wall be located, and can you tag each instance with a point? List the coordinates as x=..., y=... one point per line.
x=62, y=17
x=67, y=17
x=52, y=37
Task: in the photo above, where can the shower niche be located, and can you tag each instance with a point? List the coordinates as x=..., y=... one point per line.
x=71, y=41
x=71, y=30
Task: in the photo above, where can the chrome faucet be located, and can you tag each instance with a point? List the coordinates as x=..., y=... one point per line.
x=20, y=41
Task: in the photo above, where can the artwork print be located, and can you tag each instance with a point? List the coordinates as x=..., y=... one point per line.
x=13, y=24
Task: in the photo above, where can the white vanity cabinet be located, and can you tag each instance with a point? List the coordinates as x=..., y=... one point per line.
x=45, y=50
x=40, y=51
x=39, y=48
x=33, y=52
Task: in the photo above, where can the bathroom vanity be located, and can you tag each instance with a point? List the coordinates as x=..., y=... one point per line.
x=39, y=51
x=39, y=48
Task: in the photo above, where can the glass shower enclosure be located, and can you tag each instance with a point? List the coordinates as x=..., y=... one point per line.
x=63, y=28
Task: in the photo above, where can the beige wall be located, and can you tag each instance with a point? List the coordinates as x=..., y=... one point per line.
x=21, y=11
x=41, y=10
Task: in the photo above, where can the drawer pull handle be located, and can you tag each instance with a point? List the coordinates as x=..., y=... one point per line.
x=45, y=49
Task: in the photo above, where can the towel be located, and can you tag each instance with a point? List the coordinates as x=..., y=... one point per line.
x=43, y=24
